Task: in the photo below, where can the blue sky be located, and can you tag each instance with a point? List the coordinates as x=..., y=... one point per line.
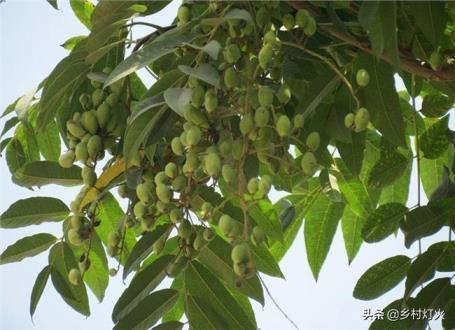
x=31, y=32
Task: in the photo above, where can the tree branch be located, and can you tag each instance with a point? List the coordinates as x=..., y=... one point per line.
x=411, y=66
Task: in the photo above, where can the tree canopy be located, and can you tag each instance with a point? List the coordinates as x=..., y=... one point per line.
x=249, y=98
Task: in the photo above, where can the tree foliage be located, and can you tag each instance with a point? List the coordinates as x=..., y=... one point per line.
x=299, y=97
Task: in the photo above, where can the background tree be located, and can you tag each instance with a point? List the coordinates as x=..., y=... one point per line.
x=249, y=96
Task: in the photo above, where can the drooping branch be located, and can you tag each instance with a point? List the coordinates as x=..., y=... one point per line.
x=409, y=65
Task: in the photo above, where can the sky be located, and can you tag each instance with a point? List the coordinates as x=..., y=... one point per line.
x=30, y=35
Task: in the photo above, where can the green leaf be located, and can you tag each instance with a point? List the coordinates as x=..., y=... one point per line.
x=388, y=21
x=423, y=269
x=447, y=263
x=204, y=72
x=216, y=256
x=201, y=315
x=265, y=262
x=434, y=141
x=41, y=173
x=143, y=248
x=392, y=324
x=430, y=17
x=381, y=99
x=62, y=260
x=178, y=98
x=140, y=287
x=431, y=171
x=29, y=246
x=436, y=105
x=265, y=217
x=398, y=191
x=423, y=221
x=149, y=310
x=27, y=138
x=382, y=277
x=83, y=10
x=177, y=311
x=201, y=283
x=351, y=226
x=110, y=215
x=367, y=13
x=70, y=43
x=38, y=288
x=149, y=53
x=171, y=325
x=53, y=3
x=167, y=80
x=212, y=48
x=33, y=211
x=233, y=14
x=15, y=156
x=138, y=88
x=353, y=190
x=320, y=226
x=384, y=221
x=9, y=124
x=352, y=153
x=387, y=170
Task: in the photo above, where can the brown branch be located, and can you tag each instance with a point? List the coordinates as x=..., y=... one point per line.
x=411, y=66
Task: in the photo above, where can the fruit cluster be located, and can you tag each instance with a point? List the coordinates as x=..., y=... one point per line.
x=250, y=116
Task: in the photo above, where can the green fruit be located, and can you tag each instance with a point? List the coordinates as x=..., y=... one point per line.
x=299, y=120
x=107, y=70
x=81, y=152
x=210, y=101
x=97, y=97
x=265, y=56
x=103, y=114
x=195, y=116
x=193, y=136
x=122, y=190
x=265, y=95
x=179, y=183
x=226, y=224
x=240, y=269
x=113, y=238
x=112, y=99
x=185, y=229
x=250, y=269
x=349, y=120
x=301, y=17
x=74, y=237
x=288, y=22
x=94, y=146
x=66, y=160
x=257, y=236
x=284, y=94
x=176, y=146
x=74, y=276
x=246, y=124
x=140, y=210
x=84, y=99
x=75, y=128
x=253, y=185
x=171, y=170
x=175, y=215
x=241, y=253
x=283, y=126
x=237, y=149
x=112, y=272
x=231, y=78
x=199, y=243
x=206, y=210
x=228, y=173
x=209, y=234
x=361, y=120
x=89, y=122
x=212, y=164
x=225, y=142
x=88, y=176
x=160, y=178
x=77, y=116
x=313, y=140
x=232, y=53
x=192, y=162
x=362, y=77
x=197, y=98
x=76, y=221
x=309, y=163
x=144, y=193
x=163, y=192
x=183, y=14
x=84, y=264
x=261, y=117
x=310, y=27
